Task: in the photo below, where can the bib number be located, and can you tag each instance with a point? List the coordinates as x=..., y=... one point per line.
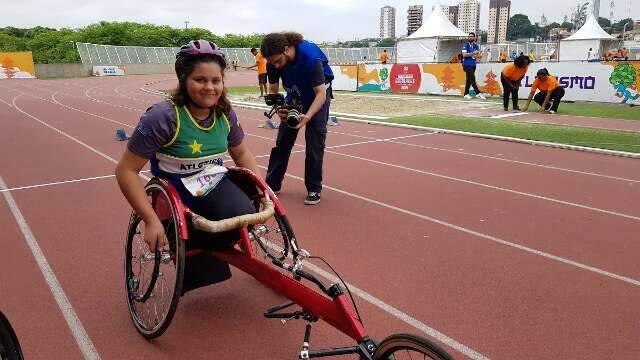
x=203, y=182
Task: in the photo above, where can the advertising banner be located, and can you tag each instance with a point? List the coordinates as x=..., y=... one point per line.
x=108, y=71
x=17, y=65
x=613, y=82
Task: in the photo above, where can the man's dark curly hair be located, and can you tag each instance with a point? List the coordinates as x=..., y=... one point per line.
x=274, y=43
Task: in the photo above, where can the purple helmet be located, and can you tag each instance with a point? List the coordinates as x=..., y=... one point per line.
x=197, y=48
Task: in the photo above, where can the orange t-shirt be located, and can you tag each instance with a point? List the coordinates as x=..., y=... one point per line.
x=514, y=73
x=384, y=56
x=262, y=64
x=550, y=84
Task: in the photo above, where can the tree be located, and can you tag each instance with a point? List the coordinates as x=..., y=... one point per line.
x=491, y=86
x=624, y=74
x=604, y=22
x=619, y=26
x=519, y=26
x=579, y=15
x=8, y=64
x=10, y=43
x=388, y=42
x=448, y=79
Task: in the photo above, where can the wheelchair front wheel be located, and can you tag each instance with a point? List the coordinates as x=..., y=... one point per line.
x=153, y=280
x=9, y=345
x=406, y=346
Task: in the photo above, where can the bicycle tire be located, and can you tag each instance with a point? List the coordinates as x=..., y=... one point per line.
x=397, y=344
x=9, y=344
x=142, y=303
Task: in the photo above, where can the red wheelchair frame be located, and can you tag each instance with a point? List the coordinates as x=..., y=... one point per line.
x=285, y=278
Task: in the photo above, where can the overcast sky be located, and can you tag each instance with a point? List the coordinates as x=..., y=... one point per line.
x=318, y=20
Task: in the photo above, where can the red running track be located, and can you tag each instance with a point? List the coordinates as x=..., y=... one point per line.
x=509, y=251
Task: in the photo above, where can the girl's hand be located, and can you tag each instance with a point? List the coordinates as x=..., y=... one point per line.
x=155, y=236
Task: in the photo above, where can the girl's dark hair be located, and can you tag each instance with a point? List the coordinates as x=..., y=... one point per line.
x=274, y=43
x=521, y=61
x=180, y=95
x=543, y=72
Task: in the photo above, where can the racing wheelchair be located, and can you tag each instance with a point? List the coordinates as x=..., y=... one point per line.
x=267, y=250
x=9, y=344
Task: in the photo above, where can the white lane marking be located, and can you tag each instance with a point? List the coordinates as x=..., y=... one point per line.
x=579, y=265
x=26, y=187
x=73, y=321
x=418, y=98
x=450, y=178
x=53, y=96
x=521, y=193
x=503, y=116
x=503, y=159
x=568, y=203
x=400, y=315
x=8, y=104
x=366, y=296
x=520, y=162
x=402, y=143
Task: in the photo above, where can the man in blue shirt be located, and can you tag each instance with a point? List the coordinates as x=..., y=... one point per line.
x=470, y=54
x=306, y=76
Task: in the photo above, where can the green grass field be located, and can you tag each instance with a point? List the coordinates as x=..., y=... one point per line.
x=604, y=139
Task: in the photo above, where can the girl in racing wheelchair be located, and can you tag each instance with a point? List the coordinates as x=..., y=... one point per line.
x=186, y=138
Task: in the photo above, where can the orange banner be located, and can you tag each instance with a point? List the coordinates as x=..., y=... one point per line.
x=17, y=65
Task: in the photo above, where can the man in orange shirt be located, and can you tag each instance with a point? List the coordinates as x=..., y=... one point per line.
x=550, y=90
x=261, y=65
x=511, y=76
x=384, y=56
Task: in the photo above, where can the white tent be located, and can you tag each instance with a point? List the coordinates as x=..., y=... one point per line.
x=590, y=36
x=437, y=40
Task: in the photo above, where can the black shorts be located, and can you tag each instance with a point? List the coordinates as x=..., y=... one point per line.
x=262, y=79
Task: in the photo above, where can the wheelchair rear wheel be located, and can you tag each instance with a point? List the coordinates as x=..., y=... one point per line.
x=9, y=345
x=153, y=280
x=406, y=346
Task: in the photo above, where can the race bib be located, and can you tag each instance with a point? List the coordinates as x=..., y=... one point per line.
x=206, y=180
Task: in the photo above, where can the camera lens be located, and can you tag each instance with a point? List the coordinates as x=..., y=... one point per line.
x=293, y=118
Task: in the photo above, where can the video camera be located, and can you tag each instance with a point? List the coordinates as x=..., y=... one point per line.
x=277, y=102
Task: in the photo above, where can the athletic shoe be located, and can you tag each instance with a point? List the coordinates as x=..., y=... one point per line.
x=480, y=96
x=516, y=109
x=506, y=109
x=468, y=97
x=552, y=111
x=312, y=198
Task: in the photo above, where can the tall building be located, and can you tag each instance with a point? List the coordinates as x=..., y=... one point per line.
x=498, y=20
x=414, y=18
x=453, y=15
x=544, y=21
x=387, y=22
x=596, y=8
x=469, y=15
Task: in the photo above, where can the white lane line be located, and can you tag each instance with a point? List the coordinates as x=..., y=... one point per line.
x=529, y=250
x=568, y=203
x=502, y=159
x=364, y=295
x=521, y=193
x=519, y=162
x=53, y=96
x=503, y=116
x=400, y=315
x=8, y=104
x=402, y=143
x=418, y=98
x=73, y=321
x=446, y=177
x=57, y=183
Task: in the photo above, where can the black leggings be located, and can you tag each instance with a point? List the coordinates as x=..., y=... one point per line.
x=508, y=91
x=554, y=99
x=471, y=79
x=227, y=200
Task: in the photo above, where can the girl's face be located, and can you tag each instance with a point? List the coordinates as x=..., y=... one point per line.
x=542, y=77
x=205, y=84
